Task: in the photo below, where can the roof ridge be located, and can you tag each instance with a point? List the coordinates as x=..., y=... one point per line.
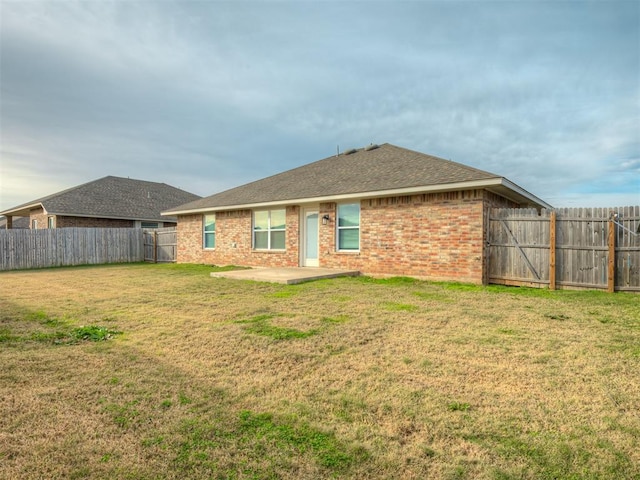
x=276, y=174
x=135, y=180
x=385, y=168
x=56, y=194
x=105, y=194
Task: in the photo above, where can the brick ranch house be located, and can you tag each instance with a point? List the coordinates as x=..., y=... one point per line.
x=381, y=210
x=109, y=202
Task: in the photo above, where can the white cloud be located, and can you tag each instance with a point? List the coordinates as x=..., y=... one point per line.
x=545, y=94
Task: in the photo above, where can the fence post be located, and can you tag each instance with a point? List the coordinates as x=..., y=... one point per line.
x=155, y=246
x=611, y=271
x=552, y=250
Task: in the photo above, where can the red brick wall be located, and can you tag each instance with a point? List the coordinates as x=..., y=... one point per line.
x=88, y=222
x=61, y=221
x=437, y=236
x=40, y=216
x=234, y=241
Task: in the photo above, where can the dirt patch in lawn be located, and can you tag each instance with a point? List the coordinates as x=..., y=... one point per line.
x=204, y=377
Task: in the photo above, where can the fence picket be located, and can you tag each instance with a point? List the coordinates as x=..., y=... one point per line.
x=582, y=253
x=23, y=249
x=161, y=245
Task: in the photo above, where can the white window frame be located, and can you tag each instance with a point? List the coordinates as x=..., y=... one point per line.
x=210, y=233
x=51, y=222
x=350, y=227
x=269, y=230
x=34, y=224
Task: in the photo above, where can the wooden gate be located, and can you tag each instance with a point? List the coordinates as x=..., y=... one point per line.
x=571, y=247
x=160, y=245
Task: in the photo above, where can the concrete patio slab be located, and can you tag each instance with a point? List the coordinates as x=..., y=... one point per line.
x=287, y=276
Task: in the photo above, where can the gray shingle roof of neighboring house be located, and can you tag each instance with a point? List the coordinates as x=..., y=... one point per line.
x=17, y=223
x=367, y=172
x=111, y=197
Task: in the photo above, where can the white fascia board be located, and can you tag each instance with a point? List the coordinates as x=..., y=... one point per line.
x=22, y=208
x=26, y=208
x=522, y=192
x=490, y=182
x=89, y=215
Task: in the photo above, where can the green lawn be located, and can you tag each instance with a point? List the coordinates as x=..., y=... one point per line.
x=162, y=372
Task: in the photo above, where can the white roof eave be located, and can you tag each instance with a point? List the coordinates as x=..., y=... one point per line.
x=448, y=187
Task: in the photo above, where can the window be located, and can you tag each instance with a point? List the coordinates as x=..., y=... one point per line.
x=209, y=231
x=148, y=224
x=50, y=222
x=269, y=229
x=34, y=224
x=349, y=227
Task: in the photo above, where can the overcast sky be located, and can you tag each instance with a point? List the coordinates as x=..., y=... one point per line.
x=209, y=95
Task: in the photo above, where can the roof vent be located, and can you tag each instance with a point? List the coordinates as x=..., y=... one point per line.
x=373, y=146
x=350, y=151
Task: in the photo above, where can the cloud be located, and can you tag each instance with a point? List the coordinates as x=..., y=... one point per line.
x=215, y=94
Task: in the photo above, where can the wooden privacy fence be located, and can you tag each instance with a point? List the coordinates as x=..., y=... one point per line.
x=22, y=249
x=160, y=245
x=572, y=247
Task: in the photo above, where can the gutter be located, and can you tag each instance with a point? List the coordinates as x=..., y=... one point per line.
x=27, y=208
x=482, y=184
x=21, y=208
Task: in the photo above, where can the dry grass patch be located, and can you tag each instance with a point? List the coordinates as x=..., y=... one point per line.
x=343, y=378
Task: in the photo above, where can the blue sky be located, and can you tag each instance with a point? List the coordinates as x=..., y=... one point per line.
x=209, y=95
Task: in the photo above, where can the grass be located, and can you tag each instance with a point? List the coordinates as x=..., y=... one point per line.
x=263, y=325
x=161, y=372
x=53, y=330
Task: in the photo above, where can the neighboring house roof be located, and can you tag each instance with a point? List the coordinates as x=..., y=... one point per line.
x=16, y=223
x=368, y=172
x=111, y=197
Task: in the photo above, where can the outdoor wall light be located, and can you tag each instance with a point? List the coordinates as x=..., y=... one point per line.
x=326, y=219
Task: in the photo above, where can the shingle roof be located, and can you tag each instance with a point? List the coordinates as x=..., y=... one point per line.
x=16, y=223
x=113, y=197
x=385, y=168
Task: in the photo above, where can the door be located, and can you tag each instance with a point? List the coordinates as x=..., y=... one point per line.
x=310, y=239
